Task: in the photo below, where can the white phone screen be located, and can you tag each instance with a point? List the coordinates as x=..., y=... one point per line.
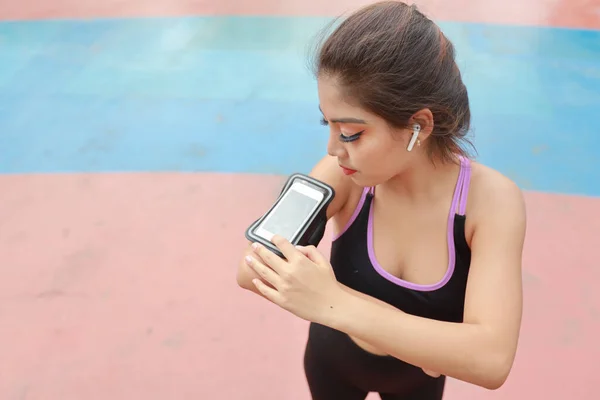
x=291, y=213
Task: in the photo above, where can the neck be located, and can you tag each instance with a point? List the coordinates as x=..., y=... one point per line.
x=423, y=180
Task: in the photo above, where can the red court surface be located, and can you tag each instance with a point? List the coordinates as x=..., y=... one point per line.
x=122, y=286
x=562, y=13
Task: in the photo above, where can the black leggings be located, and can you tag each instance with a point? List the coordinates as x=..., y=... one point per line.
x=338, y=369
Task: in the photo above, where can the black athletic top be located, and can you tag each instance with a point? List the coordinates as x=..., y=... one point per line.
x=336, y=367
x=355, y=265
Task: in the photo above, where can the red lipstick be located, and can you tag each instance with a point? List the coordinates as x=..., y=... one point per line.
x=347, y=171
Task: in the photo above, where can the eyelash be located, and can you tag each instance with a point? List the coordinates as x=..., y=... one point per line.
x=343, y=138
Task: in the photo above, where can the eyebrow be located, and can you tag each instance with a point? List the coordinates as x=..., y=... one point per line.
x=347, y=120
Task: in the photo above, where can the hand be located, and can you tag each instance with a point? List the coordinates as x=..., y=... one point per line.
x=304, y=284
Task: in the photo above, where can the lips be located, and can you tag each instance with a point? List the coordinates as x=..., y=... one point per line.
x=347, y=171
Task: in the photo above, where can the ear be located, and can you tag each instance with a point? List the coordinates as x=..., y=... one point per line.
x=424, y=118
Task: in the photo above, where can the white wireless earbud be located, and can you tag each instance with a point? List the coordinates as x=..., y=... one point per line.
x=415, y=135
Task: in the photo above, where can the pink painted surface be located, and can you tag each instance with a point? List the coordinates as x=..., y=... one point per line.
x=122, y=286
x=566, y=13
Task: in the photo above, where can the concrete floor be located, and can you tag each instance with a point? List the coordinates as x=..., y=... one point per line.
x=121, y=135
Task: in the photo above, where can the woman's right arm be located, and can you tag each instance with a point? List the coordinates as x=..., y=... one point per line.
x=327, y=170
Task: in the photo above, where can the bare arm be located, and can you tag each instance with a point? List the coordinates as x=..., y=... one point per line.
x=480, y=350
x=326, y=170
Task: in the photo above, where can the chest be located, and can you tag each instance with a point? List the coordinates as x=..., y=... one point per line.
x=444, y=301
x=410, y=268
x=415, y=247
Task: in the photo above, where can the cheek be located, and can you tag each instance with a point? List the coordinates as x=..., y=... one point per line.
x=376, y=157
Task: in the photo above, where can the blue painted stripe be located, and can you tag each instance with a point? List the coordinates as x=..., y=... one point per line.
x=235, y=95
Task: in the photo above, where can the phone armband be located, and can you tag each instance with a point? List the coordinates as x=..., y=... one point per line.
x=308, y=225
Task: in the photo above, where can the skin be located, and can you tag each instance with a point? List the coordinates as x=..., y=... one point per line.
x=411, y=208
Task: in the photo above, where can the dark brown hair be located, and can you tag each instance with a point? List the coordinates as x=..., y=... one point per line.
x=393, y=61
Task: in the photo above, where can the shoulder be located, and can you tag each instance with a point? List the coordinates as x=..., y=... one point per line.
x=490, y=189
x=495, y=202
x=327, y=170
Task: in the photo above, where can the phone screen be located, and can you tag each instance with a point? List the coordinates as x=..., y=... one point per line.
x=291, y=213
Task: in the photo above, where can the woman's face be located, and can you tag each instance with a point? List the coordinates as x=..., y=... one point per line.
x=367, y=149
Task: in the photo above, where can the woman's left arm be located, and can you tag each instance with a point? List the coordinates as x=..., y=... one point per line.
x=480, y=350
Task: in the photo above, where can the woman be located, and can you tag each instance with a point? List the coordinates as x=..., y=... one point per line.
x=424, y=278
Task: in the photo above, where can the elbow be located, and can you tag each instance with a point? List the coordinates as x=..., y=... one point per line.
x=494, y=382
x=494, y=372
x=243, y=280
x=245, y=276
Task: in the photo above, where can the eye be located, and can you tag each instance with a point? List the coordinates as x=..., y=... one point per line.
x=343, y=138
x=347, y=139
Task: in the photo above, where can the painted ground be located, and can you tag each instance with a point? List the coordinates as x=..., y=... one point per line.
x=125, y=125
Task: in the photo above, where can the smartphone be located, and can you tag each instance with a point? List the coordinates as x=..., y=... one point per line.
x=298, y=214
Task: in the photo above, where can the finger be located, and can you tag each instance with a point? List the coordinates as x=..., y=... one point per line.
x=250, y=251
x=289, y=250
x=269, y=293
x=263, y=271
x=313, y=254
x=431, y=373
x=269, y=258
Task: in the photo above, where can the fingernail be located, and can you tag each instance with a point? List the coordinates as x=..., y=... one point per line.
x=255, y=246
x=248, y=259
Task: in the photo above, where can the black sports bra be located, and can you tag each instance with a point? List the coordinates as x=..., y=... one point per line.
x=356, y=266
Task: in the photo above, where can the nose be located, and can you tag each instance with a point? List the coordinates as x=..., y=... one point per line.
x=335, y=148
